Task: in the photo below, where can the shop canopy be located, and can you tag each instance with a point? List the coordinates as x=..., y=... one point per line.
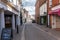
x=56, y=12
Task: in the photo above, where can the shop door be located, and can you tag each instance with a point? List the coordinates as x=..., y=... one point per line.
x=53, y=21
x=8, y=21
x=57, y=22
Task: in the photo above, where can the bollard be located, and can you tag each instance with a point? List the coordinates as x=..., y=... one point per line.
x=17, y=29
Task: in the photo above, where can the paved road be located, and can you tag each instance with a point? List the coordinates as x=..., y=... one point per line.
x=31, y=32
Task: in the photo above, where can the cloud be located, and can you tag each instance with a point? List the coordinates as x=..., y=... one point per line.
x=31, y=13
x=31, y=9
x=29, y=2
x=29, y=5
x=26, y=0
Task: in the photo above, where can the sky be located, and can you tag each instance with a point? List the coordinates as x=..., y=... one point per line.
x=29, y=5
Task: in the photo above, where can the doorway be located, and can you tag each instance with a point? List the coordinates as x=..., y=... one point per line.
x=8, y=21
x=53, y=21
x=43, y=20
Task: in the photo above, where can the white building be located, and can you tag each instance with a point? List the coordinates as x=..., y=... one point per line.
x=9, y=14
x=43, y=13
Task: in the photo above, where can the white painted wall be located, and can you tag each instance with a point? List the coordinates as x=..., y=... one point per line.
x=12, y=10
x=2, y=5
x=43, y=9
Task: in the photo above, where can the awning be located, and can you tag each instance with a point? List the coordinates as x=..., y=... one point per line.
x=56, y=12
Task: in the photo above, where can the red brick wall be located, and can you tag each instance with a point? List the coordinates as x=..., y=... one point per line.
x=54, y=3
x=37, y=11
x=41, y=2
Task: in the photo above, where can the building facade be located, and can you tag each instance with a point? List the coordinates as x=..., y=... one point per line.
x=24, y=15
x=54, y=13
x=41, y=12
x=37, y=15
x=52, y=8
x=9, y=14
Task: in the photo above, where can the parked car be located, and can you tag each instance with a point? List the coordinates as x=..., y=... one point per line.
x=33, y=21
x=6, y=34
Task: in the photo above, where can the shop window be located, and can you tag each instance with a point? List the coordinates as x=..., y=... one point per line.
x=50, y=3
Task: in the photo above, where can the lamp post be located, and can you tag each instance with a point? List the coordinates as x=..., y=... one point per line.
x=21, y=15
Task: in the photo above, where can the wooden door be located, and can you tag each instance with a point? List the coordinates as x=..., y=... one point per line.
x=58, y=22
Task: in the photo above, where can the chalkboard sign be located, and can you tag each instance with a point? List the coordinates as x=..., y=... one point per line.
x=6, y=34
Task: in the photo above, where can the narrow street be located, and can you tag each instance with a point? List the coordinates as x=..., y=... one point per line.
x=32, y=32
x=29, y=19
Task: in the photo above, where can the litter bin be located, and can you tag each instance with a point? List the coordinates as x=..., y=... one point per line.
x=6, y=34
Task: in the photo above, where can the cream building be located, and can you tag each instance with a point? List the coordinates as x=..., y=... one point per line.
x=9, y=14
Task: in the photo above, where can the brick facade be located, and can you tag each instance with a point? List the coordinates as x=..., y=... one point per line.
x=54, y=23
x=37, y=11
x=54, y=6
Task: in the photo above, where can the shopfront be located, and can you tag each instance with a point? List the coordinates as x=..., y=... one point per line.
x=55, y=19
x=8, y=21
x=43, y=20
x=43, y=14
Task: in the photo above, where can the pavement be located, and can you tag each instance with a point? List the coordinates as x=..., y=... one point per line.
x=49, y=30
x=33, y=31
x=17, y=36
